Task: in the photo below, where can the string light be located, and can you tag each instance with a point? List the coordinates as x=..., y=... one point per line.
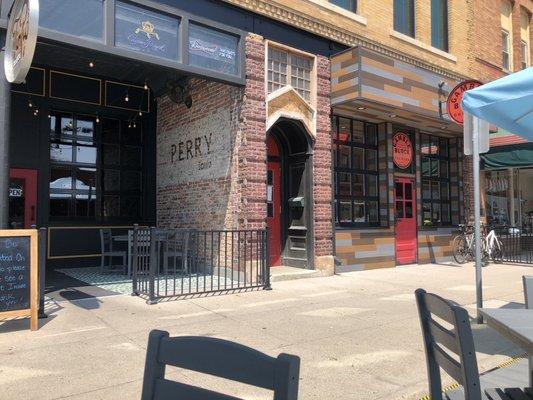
x=30, y=104
x=97, y=119
x=91, y=64
x=140, y=113
x=129, y=124
x=134, y=124
x=145, y=86
x=127, y=98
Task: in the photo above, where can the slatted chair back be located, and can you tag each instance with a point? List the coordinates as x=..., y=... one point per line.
x=106, y=240
x=528, y=291
x=451, y=349
x=218, y=358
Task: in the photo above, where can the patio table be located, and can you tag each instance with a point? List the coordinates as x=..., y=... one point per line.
x=517, y=326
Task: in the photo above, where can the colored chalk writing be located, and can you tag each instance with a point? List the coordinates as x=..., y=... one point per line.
x=15, y=272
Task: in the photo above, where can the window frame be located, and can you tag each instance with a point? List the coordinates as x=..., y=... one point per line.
x=351, y=171
x=504, y=52
x=290, y=53
x=439, y=158
x=440, y=22
x=524, y=47
x=407, y=24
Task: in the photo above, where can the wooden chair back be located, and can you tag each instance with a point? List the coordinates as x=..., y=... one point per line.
x=451, y=349
x=219, y=358
x=528, y=291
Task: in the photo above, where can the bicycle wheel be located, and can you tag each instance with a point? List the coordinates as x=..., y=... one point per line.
x=497, y=252
x=460, y=249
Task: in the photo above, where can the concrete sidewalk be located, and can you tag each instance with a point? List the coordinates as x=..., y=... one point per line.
x=357, y=334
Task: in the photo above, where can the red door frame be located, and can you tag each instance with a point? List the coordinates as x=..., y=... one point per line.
x=30, y=193
x=406, y=221
x=274, y=202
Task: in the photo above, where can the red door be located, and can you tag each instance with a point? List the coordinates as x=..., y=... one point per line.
x=22, y=198
x=274, y=202
x=405, y=205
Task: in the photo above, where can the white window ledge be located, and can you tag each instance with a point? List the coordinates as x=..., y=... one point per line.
x=422, y=45
x=339, y=10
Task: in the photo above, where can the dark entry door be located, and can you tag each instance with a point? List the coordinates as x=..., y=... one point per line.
x=274, y=202
x=405, y=204
x=22, y=198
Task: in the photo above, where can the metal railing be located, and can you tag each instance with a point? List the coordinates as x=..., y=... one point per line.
x=517, y=247
x=173, y=263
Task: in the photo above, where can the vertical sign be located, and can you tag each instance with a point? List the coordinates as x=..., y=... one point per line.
x=19, y=288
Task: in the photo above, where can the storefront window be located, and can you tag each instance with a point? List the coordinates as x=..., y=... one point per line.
x=212, y=49
x=434, y=153
x=80, y=18
x=356, y=174
x=145, y=31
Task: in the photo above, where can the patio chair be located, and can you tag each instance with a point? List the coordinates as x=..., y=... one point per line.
x=107, y=251
x=528, y=291
x=452, y=349
x=218, y=358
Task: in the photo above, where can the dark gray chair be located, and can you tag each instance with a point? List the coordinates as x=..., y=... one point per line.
x=107, y=251
x=528, y=291
x=219, y=358
x=452, y=349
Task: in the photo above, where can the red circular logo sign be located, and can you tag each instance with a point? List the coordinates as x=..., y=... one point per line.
x=453, y=105
x=402, y=149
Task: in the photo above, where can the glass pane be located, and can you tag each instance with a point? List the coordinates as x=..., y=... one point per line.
x=359, y=212
x=444, y=144
x=111, y=154
x=86, y=155
x=358, y=158
x=424, y=144
x=110, y=130
x=212, y=49
x=426, y=166
x=409, y=191
x=85, y=130
x=445, y=213
x=426, y=213
x=131, y=156
x=371, y=134
x=86, y=179
x=399, y=190
x=443, y=169
x=344, y=130
x=399, y=209
x=111, y=179
x=81, y=18
x=131, y=181
x=111, y=206
x=358, y=132
x=130, y=206
x=344, y=156
x=59, y=204
x=426, y=190
x=145, y=31
x=53, y=121
x=350, y=5
x=60, y=178
x=358, y=185
x=372, y=211
x=435, y=190
x=434, y=145
x=444, y=190
x=67, y=126
x=85, y=204
x=344, y=184
x=371, y=185
x=133, y=135
x=345, y=211
x=435, y=167
x=408, y=209
x=371, y=160
x=61, y=152
x=436, y=212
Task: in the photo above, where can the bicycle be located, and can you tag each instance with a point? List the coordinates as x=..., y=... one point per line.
x=464, y=246
x=494, y=246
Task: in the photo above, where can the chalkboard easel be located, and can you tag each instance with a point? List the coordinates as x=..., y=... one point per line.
x=19, y=276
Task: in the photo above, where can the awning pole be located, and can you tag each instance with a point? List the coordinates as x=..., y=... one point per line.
x=477, y=216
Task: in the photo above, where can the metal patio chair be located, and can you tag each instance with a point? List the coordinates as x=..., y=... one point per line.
x=107, y=251
x=452, y=349
x=218, y=358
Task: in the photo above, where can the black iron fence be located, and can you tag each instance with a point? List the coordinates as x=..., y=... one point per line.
x=177, y=263
x=517, y=247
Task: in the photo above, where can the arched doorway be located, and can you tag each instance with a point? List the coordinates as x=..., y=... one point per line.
x=289, y=195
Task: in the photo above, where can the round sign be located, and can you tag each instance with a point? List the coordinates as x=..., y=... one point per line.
x=402, y=149
x=453, y=105
x=21, y=39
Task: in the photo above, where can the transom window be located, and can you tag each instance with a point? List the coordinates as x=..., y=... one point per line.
x=356, y=172
x=435, y=154
x=350, y=5
x=283, y=64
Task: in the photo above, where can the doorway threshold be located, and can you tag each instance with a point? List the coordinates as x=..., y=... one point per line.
x=282, y=273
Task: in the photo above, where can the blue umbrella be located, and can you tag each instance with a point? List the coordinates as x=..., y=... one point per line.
x=506, y=103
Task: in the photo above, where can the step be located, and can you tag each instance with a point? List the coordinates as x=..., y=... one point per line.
x=282, y=273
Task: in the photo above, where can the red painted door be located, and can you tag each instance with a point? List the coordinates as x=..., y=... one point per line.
x=22, y=198
x=405, y=208
x=274, y=202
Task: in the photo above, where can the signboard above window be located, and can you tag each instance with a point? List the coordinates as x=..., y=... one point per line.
x=212, y=49
x=145, y=31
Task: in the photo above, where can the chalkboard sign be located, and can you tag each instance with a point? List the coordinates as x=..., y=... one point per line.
x=19, y=275
x=14, y=273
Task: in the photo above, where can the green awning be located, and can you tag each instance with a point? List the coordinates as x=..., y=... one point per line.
x=515, y=156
